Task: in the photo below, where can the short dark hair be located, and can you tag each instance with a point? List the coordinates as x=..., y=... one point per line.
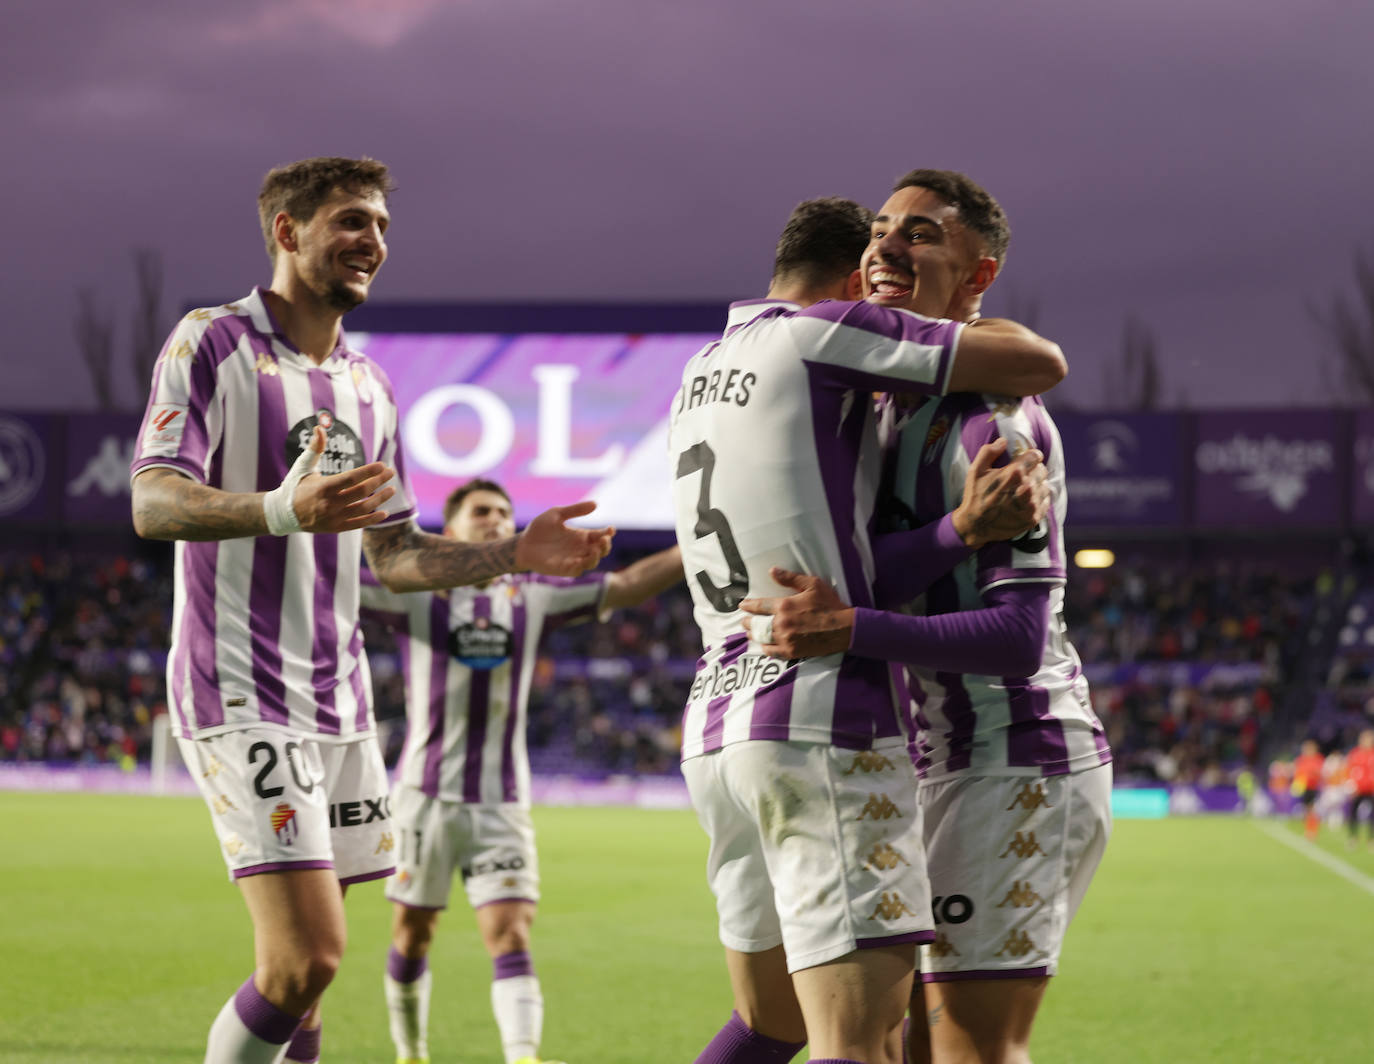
x=977, y=210
x=454, y=502
x=300, y=188
x=823, y=240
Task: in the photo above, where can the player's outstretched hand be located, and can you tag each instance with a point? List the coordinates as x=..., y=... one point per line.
x=549, y=546
x=339, y=502
x=810, y=623
x=1001, y=502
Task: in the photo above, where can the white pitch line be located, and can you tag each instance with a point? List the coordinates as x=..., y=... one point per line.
x=1316, y=853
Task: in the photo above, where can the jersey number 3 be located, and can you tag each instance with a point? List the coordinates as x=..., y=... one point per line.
x=700, y=458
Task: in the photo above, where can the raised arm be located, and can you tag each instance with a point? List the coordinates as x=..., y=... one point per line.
x=643, y=579
x=1001, y=357
x=407, y=559
x=170, y=505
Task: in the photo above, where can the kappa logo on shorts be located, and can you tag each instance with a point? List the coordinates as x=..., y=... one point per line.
x=942, y=947
x=1021, y=896
x=885, y=858
x=232, y=845
x=1023, y=846
x=284, y=824
x=879, y=807
x=386, y=845
x=213, y=767
x=890, y=907
x=869, y=761
x=222, y=804
x=1018, y=944
x=1030, y=796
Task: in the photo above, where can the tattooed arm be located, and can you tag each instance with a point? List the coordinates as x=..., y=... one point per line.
x=407, y=559
x=170, y=505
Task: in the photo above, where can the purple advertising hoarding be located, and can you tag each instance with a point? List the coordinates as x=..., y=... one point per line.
x=95, y=486
x=1124, y=469
x=1362, y=470
x=28, y=477
x=1268, y=469
x=554, y=418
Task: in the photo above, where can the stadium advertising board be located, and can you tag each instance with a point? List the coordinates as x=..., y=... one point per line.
x=555, y=418
x=95, y=485
x=28, y=490
x=1268, y=469
x=1362, y=470
x=1124, y=469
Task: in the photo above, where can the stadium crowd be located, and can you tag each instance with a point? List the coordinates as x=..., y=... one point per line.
x=1187, y=665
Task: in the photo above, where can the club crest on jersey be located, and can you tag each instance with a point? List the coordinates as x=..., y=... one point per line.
x=284, y=823
x=342, y=448
x=362, y=382
x=481, y=644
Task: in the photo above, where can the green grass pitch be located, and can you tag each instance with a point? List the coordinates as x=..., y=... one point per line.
x=1202, y=939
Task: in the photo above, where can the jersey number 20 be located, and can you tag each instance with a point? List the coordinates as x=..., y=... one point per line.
x=700, y=458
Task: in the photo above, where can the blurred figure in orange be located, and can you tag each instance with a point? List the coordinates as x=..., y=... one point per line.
x=1359, y=774
x=1308, y=770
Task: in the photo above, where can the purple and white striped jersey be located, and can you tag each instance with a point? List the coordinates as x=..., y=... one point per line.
x=981, y=724
x=775, y=459
x=469, y=655
x=265, y=630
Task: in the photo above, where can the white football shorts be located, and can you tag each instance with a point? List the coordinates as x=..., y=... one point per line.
x=280, y=801
x=1010, y=860
x=813, y=847
x=490, y=846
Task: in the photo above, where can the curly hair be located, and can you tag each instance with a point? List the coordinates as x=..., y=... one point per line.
x=300, y=188
x=977, y=210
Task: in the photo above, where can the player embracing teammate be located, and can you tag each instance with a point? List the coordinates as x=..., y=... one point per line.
x=796, y=764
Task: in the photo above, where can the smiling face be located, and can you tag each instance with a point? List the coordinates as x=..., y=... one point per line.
x=337, y=252
x=921, y=257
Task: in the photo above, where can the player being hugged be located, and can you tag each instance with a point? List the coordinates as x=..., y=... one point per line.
x=269, y=453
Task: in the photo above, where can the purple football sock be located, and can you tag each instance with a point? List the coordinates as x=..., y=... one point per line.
x=305, y=1045
x=404, y=969
x=738, y=1043
x=509, y=965
x=260, y=1016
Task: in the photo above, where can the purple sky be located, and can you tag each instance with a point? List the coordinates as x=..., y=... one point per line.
x=1204, y=166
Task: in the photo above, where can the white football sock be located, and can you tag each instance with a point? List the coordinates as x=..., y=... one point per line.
x=519, y=1007
x=231, y=1042
x=408, y=1006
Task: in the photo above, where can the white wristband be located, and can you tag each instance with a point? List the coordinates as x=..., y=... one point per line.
x=278, y=505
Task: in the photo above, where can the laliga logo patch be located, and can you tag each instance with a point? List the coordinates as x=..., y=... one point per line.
x=481, y=644
x=164, y=428
x=21, y=464
x=342, y=447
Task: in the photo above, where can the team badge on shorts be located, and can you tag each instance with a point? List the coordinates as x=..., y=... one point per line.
x=284, y=823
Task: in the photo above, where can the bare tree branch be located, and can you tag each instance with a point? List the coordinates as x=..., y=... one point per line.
x=1349, y=325
x=147, y=326
x=1135, y=382
x=95, y=336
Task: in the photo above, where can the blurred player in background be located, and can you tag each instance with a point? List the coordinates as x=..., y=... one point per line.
x=1309, y=769
x=1015, y=774
x=462, y=802
x=1359, y=777
x=798, y=771
x=268, y=452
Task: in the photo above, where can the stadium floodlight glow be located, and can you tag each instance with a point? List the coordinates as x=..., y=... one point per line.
x=1094, y=558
